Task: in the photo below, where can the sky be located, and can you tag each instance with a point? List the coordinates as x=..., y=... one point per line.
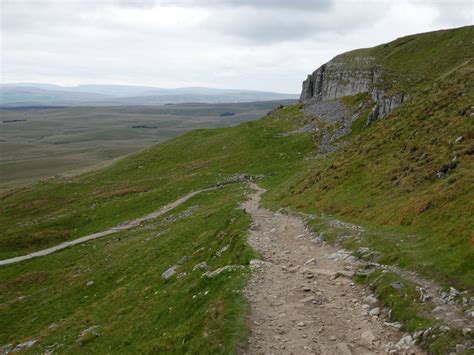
x=248, y=44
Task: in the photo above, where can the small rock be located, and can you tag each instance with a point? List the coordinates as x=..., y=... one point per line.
x=182, y=260
x=53, y=326
x=256, y=263
x=469, y=313
x=310, y=261
x=343, y=349
x=426, y=333
x=89, y=283
x=333, y=338
x=306, y=289
x=444, y=329
x=5, y=349
x=418, y=334
x=201, y=266
x=424, y=296
x=405, y=342
x=458, y=139
x=438, y=309
x=396, y=285
x=460, y=348
x=301, y=324
x=87, y=335
x=374, y=311
x=368, y=336
x=222, y=250
x=466, y=331
x=169, y=272
x=307, y=299
x=371, y=299
x=227, y=268
x=25, y=345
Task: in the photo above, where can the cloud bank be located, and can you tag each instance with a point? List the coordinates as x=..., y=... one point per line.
x=265, y=44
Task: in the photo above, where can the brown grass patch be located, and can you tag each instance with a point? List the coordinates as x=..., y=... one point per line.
x=194, y=165
x=32, y=277
x=119, y=191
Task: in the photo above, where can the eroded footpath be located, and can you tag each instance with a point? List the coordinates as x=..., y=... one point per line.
x=304, y=303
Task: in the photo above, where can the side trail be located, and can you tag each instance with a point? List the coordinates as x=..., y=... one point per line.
x=121, y=227
x=302, y=302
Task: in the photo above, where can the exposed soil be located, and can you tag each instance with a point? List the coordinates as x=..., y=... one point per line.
x=304, y=303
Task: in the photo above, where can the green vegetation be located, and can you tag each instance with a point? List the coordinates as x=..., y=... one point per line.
x=412, y=61
x=384, y=177
x=133, y=308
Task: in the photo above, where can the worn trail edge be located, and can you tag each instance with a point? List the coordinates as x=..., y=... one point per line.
x=302, y=302
x=121, y=227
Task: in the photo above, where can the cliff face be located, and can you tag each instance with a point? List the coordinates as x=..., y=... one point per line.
x=342, y=77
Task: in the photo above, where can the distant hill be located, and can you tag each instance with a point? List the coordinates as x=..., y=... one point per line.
x=31, y=94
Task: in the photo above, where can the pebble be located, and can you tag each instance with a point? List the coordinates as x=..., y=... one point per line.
x=368, y=336
x=374, y=311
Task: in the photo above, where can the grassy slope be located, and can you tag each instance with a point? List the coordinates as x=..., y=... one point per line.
x=136, y=310
x=383, y=178
x=56, y=210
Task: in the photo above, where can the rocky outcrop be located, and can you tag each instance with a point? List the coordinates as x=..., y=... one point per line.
x=384, y=105
x=333, y=80
x=347, y=76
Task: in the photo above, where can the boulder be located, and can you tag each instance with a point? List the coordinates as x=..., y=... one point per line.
x=169, y=272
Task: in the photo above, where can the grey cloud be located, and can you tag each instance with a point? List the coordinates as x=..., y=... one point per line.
x=318, y=5
x=283, y=24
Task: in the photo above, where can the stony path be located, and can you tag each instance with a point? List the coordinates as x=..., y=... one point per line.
x=118, y=228
x=304, y=303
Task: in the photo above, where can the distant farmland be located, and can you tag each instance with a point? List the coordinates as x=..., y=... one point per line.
x=41, y=142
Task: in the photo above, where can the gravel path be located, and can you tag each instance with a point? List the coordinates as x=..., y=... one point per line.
x=304, y=303
x=118, y=228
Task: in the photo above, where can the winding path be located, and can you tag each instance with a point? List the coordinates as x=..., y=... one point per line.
x=112, y=230
x=303, y=302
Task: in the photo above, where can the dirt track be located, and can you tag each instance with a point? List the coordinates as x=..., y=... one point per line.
x=304, y=303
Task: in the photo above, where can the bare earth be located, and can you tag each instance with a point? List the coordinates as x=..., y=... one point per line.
x=298, y=305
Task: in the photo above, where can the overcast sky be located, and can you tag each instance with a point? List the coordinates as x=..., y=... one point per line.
x=247, y=44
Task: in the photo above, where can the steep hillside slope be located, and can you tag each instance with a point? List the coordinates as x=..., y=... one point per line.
x=415, y=168
x=405, y=177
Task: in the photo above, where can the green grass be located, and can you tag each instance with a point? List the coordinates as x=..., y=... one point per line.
x=385, y=178
x=135, y=310
x=59, y=209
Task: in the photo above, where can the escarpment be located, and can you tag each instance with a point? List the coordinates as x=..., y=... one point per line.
x=348, y=76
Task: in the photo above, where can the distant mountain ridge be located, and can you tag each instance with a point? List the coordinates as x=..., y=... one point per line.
x=26, y=94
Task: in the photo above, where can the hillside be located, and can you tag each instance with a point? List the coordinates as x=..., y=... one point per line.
x=387, y=179
x=39, y=142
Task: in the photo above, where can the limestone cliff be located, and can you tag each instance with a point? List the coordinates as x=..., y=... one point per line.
x=346, y=76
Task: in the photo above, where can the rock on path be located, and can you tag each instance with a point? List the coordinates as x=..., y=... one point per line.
x=301, y=301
